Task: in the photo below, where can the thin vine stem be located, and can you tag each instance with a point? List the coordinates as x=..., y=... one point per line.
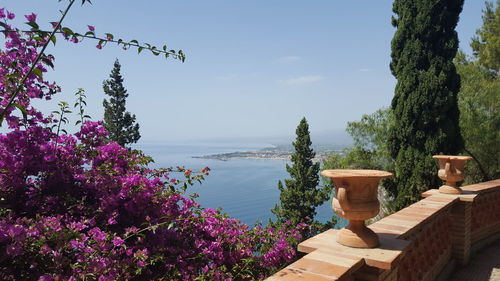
x=180, y=56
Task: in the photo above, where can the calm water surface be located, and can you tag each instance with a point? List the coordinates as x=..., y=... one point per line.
x=244, y=188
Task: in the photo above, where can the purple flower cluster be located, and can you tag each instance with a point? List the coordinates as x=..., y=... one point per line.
x=15, y=61
x=79, y=207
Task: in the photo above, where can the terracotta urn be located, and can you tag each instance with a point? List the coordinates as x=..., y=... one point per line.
x=451, y=171
x=356, y=200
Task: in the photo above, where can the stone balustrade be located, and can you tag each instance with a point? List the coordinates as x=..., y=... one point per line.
x=424, y=241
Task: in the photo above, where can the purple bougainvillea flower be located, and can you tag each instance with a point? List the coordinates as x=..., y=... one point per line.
x=11, y=16
x=98, y=46
x=31, y=18
x=91, y=28
x=117, y=241
x=2, y=13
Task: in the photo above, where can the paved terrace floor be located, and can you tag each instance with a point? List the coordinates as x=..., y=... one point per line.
x=484, y=266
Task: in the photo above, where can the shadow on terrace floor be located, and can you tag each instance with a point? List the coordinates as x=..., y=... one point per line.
x=484, y=266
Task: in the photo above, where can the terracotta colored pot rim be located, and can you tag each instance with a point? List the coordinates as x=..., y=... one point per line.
x=452, y=157
x=347, y=173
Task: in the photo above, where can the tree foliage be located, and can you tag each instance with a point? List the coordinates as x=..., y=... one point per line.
x=300, y=195
x=486, y=45
x=370, y=134
x=479, y=102
x=479, y=99
x=120, y=123
x=352, y=158
x=425, y=102
x=370, y=151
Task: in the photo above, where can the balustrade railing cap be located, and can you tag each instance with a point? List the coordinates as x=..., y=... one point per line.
x=452, y=157
x=346, y=173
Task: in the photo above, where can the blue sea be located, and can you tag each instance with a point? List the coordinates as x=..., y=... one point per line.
x=245, y=189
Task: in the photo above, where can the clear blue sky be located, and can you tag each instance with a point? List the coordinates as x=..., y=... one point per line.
x=253, y=68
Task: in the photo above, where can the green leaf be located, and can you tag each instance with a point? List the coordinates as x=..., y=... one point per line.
x=53, y=39
x=12, y=75
x=67, y=31
x=22, y=109
x=153, y=228
x=34, y=25
x=48, y=62
x=2, y=116
x=38, y=73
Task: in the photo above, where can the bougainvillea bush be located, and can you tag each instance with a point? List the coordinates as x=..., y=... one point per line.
x=79, y=207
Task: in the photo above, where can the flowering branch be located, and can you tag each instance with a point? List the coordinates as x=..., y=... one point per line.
x=45, y=37
x=102, y=41
x=35, y=63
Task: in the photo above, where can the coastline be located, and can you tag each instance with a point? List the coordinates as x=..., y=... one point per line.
x=270, y=153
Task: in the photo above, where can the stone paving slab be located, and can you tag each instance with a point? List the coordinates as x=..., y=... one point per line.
x=484, y=266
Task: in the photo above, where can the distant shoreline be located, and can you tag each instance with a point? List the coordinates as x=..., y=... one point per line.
x=271, y=153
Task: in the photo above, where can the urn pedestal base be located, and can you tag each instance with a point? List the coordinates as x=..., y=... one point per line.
x=357, y=235
x=448, y=189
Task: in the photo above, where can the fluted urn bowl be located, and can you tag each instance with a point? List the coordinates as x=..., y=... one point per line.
x=451, y=168
x=356, y=200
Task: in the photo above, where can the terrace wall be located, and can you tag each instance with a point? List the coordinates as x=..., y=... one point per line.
x=423, y=242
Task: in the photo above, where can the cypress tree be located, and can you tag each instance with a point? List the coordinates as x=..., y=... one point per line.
x=425, y=101
x=120, y=124
x=300, y=196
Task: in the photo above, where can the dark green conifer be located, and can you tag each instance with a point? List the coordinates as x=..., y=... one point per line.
x=300, y=196
x=425, y=101
x=120, y=124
